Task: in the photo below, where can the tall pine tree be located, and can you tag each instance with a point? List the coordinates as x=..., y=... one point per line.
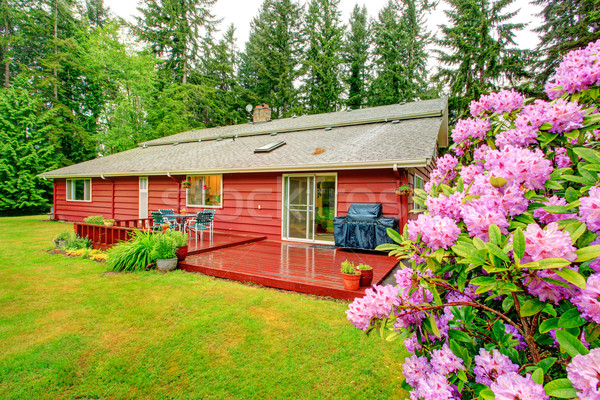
x=271, y=63
x=172, y=29
x=324, y=33
x=400, y=53
x=568, y=25
x=356, y=57
x=481, y=54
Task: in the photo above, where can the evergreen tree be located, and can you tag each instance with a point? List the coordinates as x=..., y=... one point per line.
x=25, y=151
x=568, y=25
x=271, y=63
x=482, y=55
x=356, y=56
x=96, y=13
x=324, y=33
x=400, y=52
x=172, y=29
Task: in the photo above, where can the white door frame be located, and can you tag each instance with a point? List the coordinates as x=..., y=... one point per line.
x=143, y=197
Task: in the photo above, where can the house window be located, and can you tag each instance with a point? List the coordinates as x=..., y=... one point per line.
x=79, y=189
x=205, y=191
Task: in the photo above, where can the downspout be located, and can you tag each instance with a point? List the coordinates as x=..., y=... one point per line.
x=402, y=204
x=178, y=190
x=54, y=198
x=112, y=211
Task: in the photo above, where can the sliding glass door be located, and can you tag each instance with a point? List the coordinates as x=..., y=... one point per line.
x=309, y=207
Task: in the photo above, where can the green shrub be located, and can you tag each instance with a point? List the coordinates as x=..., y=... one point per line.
x=364, y=267
x=94, y=220
x=164, y=247
x=71, y=241
x=64, y=235
x=133, y=255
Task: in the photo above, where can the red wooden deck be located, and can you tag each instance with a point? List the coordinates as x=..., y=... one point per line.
x=290, y=266
x=220, y=240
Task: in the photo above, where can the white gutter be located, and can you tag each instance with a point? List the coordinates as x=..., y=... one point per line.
x=423, y=162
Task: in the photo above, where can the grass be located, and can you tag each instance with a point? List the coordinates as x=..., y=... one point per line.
x=68, y=330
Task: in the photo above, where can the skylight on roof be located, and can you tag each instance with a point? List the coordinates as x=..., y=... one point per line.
x=269, y=147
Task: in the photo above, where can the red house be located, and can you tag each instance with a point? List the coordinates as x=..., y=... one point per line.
x=285, y=179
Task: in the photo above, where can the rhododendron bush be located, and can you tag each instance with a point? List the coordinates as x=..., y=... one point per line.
x=500, y=293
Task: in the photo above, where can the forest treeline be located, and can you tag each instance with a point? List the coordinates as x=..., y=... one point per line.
x=78, y=82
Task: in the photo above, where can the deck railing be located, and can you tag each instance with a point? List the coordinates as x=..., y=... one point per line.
x=103, y=237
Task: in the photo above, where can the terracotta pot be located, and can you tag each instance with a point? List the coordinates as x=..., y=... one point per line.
x=351, y=282
x=182, y=253
x=106, y=223
x=404, y=192
x=166, y=265
x=164, y=228
x=366, y=277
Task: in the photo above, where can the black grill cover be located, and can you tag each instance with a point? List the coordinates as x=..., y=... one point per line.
x=363, y=227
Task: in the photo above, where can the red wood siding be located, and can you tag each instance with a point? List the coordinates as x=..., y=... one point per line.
x=242, y=197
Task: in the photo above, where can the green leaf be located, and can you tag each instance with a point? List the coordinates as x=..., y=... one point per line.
x=547, y=263
x=394, y=235
x=546, y=364
x=496, y=251
x=538, y=376
x=545, y=126
x=573, y=277
x=519, y=243
x=460, y=336
x=588, y=253
x=532, y=307
x=571, y=195
x=560, y=388
x=508, y=303
x=387, y=247
x=548, y=325
x=570, y=343
x=587, y=154
x=571, y=319
x=484, y=280
x=553, y=209
x=495, y=234
x=486, y=394
x=434, y=326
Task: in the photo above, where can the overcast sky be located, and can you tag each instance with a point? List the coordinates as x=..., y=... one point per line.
x=241, y=12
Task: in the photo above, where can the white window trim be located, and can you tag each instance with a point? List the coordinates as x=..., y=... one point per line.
x=187, y=205
x=416, y=206
x=78, y=179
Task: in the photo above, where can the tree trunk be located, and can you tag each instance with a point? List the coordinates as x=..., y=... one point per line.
x=55, y=72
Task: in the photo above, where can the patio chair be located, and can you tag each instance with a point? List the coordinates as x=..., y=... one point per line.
x=158, y=220
x=201, y=223
x=166, y=212
x=211, y=212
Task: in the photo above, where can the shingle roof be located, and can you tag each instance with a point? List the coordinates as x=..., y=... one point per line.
x=357, y=139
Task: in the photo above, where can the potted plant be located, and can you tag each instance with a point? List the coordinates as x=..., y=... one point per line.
x=404, y=190
x=181, y=243
x=164, y=252
x=186, y=184
x=109, y=222
x=94, y=220
x=351, y=276
x=366, y=274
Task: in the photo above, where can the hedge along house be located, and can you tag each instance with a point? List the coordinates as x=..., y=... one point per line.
x=285, y=179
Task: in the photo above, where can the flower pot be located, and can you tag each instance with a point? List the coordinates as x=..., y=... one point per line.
x=351, y=282
x=106, y=223
x=166, y=265
x=404, y=192
x=366, y=277
x=186, y=185
x=182, y=252
x=164, y=228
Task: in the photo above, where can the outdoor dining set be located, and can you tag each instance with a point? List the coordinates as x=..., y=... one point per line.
x=196, y=223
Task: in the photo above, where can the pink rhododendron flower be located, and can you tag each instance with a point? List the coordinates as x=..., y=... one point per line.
x=578, y=70
x=513, y=200
x=550, y=242
x=480, y=152
x=545, y=217
x=490, y=365
x=377, y=302
x=516, y=336
x=516, y=137
x=547, y=291
x=446, y=206
x=444, y=172
x=590, y=209
x=584, y=374
x=470, y=128
x=415, y=369
x=519, y=166
x=444, y=361
x=564, y=116
x=433, y=387
x=436, y=232
x=513, y=386
x=561, y=158
x=479, y=214
x=469, y=172
x=588, y=299
x=503, y=101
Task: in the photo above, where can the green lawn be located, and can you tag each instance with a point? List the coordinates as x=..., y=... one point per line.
x=68, y=330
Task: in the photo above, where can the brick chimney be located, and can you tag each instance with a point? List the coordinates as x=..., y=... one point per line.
x=262, y=113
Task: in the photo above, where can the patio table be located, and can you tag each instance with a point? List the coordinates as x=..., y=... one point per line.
x=181, y=218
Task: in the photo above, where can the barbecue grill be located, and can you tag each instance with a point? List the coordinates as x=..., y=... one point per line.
x=363, y=227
